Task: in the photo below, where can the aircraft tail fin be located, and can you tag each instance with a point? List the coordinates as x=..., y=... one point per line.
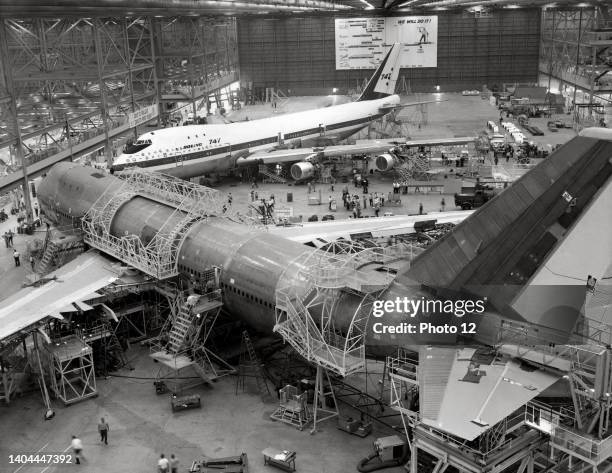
x=382, y=83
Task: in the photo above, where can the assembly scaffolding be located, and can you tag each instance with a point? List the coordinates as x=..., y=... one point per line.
x=71, y=369
x=158, y=258
x=537, y=436
x=305, y=313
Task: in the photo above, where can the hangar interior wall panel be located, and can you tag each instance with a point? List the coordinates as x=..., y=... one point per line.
x=298, y=54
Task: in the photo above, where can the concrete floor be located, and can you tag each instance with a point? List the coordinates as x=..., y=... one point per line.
x=142, y=424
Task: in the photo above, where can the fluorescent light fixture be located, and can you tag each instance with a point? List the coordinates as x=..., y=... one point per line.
x=369, y=5
x=405, y=4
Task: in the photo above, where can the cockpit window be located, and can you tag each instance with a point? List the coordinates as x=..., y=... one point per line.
x=137, y=146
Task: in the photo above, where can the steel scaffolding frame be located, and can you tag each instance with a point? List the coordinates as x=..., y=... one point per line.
x=188, y=350
x=578, y=437
x=305, y=313
x=71, y=369
x=575, y=49
x=82, y=81
x=105, y=65
x=158, y=257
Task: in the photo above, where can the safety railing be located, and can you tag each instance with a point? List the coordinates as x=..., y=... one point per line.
x=510, y=423
x=559, y=423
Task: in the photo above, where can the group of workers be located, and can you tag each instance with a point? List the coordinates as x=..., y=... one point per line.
x=164, y=465
x=354, y=202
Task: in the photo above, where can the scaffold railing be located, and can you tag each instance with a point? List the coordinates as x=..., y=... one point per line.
x=558, y=424
x=176, y=192
x=509, y=424
x=157, y=257
x=305, y=312
x=329, y=270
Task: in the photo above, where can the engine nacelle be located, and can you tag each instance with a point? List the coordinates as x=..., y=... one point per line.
x=385, y=162
x=302, y=170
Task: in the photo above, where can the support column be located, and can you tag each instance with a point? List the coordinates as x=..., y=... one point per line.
x=321, y=396
x=128, y=61
x=158, y=72
x=577, y=61
x=10, y=86
x=49, y=414
x=100, y=61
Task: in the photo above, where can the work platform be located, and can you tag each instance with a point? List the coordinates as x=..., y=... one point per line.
x=180, y=348
x=158, y=257
x=71, y=369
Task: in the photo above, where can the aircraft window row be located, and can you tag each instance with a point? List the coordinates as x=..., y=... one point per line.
x=251, y=297
x=185, y=269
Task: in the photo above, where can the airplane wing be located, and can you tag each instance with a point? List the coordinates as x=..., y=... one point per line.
x=348, y=229
x=65, y=291
x=410, y=104
x=360, y=147
x=307, y=154
x=487, y=389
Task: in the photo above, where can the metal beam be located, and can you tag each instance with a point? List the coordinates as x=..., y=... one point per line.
x=8, y=78
x=107, y=8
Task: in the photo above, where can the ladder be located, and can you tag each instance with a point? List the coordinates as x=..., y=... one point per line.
x=112, y=344
x=180, y=329
x=46, y=261
x=253, y=365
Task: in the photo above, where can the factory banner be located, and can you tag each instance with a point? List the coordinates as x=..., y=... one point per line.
x=143, y=115
x=361, y=43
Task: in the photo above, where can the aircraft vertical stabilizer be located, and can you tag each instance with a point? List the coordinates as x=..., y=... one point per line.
x=382, y=83
x=512, y=250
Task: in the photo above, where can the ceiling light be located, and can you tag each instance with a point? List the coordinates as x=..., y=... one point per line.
x=405, y=4
x=369, y=5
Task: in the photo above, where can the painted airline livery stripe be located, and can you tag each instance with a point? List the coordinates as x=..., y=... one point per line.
x=185, y=158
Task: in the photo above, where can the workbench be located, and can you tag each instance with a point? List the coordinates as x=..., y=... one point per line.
x=280, y=459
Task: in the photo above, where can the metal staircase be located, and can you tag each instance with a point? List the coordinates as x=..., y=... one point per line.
x=180, y=328
x=414, y=168
x=325, y=275
x=181, y=344
x=46, y=261
x=56, y=252
x=270, y=176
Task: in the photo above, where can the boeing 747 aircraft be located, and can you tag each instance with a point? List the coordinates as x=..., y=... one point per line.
x=198, y=149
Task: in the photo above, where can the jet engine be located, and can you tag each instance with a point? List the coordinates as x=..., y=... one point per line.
x=385, y=162
x=302, y=170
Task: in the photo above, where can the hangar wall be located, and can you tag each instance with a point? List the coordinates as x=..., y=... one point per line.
x=298, y=53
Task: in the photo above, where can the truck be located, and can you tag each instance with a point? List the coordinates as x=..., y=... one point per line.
x=476, y=197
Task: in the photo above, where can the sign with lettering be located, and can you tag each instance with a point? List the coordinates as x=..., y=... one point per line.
x=142, y=115
x=361, y=43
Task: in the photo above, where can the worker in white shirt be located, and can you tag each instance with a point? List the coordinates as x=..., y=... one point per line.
x=163, y=464
x=77, y=448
